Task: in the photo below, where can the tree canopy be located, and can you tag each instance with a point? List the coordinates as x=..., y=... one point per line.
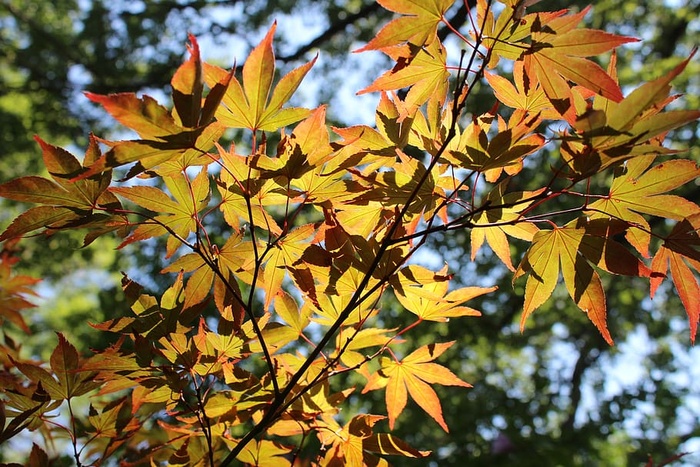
x=325, y=228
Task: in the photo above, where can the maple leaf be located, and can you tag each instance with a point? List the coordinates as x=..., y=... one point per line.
x=609, y=132
x=250, y=105
x=473, y=149
x=169, y=141
x=522, y=95
x=235, y=260
x=245, y=193
x=179, y=216
x=418, y=25
x=265, y=452
x=557, y=53
x=68, y=379
x=638, y=189
x=168, y=154
x=395, y=187
x=424, y=293
x=414, y=373
x=350, y=340
x=501, y=35
x=287, y=308
x=501, y=218
x=574, y=249
x=680, y=253
x=14, y=291
x=114, y=422
x=66, y=204
x=356, y=443
x=282, y=255
x=188, y=87
x=330, y=305
x=151, y=320
x=425, y=74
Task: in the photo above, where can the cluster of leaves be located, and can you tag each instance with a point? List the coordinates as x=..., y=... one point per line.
x=282, y=256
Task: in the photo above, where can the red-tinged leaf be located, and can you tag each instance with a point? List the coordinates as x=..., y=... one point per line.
x=681, y=250
x=640, y=190
x=37, y=457
x=143, y=115
x=34, y=189
x=188, y=86
x=61, y=164
x=14, y=291
x=50, y=217
x=418, y=27
x=183, y=149
x=686, y=284
x=557, y=51
x=37, y=374
x=65, y=363
x=551, y=68
x=611, y=132
x=83, y=195
x=586, y=42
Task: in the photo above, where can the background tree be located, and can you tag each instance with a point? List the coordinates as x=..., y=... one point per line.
x=529, y=414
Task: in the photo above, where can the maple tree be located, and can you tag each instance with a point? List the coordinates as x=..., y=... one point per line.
x=243, y=356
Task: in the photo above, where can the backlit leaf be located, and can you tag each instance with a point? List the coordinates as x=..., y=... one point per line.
x=413, y=375
x=418, y=25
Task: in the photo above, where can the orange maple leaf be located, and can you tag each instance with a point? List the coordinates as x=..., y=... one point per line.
x=415, y=373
